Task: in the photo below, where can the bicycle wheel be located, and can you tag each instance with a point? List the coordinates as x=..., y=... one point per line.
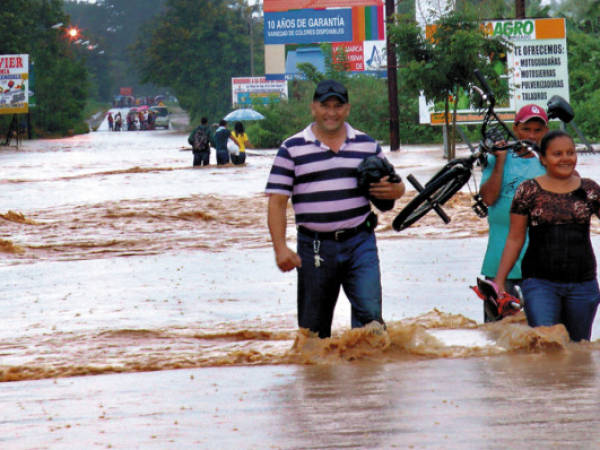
x=436, y=192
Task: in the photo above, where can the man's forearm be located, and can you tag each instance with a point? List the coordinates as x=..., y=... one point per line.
x=490, y=190
x=277, y=221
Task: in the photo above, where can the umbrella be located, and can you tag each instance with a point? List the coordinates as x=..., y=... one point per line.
x=243, y=114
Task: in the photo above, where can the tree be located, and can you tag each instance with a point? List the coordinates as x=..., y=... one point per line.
x=503, y=9
x=60, y=77
x=442, y=65
x=114, y=25
x=195, y=48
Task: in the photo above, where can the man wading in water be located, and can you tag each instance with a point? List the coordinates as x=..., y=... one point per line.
x=336, y=244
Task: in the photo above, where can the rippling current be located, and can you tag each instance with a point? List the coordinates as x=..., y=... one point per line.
x=121, y=261
x=118, y=256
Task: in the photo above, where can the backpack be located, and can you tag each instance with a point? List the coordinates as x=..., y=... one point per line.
x=200, y=140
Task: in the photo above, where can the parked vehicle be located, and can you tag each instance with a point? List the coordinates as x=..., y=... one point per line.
x=162, y=118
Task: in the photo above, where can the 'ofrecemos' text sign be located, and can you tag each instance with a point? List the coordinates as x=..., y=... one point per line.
x=536, y=67
x=14, y=84
x=539, y=60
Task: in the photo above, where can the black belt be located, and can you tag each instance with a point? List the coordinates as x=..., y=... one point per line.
x=341, y=235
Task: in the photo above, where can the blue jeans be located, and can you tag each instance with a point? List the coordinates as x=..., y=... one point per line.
x=222, y=156
x=201, y=158
x=572, y=304
x=352, y=264
x=239, y=159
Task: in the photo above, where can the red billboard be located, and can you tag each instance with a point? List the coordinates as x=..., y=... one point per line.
x=288, y=5
x=350, y=54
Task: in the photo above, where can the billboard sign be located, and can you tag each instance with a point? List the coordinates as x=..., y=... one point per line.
x=289, y=5
x=362, y=56
x=246, y=91
x=535, y=68
x=308, y=26
x=14, y=84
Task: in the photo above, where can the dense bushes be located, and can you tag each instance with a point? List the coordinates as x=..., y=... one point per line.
x=369, y=113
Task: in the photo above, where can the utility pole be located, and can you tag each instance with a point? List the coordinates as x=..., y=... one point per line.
x=250, y=11
x=251, y=45
x=392, y=79
x=520, y=9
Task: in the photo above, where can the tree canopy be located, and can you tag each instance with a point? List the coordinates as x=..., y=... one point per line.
x=60, y=77
x=195, y=47
x=442, y=65
x=114, y=25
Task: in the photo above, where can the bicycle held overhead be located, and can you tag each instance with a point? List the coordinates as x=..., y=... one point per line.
x=495, y=136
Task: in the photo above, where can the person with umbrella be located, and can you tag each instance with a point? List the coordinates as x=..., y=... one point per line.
x=243, y=114
x=242, y=139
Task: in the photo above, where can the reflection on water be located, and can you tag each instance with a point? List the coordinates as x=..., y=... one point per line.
x=547, y=400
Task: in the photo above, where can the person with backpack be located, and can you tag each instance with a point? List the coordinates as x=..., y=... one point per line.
x=201, y=140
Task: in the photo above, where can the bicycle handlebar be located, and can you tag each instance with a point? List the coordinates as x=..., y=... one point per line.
x=513, y=145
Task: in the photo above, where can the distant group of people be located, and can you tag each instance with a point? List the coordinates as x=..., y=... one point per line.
x=539, y=196
x=140, y=120
x=114, y=123
x=230, y=147
x=125, y=101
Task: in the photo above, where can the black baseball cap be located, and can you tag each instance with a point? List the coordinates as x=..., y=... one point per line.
x=330, y=88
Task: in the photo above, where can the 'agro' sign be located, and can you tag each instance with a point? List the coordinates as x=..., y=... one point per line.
x=535, y=68
x=538, y=60
x=14, y=84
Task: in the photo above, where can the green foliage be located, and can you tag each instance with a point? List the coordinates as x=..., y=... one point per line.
x=114, y=25
x=442, y=65
x=60, y=77
x=502, y=9
x=281, y=121
x=195, y=48
x=584, y=80
x=369, y=112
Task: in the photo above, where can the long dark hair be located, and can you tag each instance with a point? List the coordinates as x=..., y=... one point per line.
x=238, y=128
x=549, y=137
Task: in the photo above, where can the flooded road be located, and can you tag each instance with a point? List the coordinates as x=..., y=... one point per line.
x=121, y=261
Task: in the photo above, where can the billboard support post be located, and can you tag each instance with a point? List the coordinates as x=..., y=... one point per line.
x=519, y=9
x=392, y=79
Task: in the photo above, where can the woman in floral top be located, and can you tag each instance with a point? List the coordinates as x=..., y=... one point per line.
x=559, y=267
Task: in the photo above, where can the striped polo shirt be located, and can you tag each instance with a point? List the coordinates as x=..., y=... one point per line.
x=323, y=183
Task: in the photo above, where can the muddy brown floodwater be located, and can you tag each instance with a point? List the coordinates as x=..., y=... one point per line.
x=142, y=309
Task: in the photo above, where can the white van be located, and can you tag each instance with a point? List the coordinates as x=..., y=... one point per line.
x=162, y=119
